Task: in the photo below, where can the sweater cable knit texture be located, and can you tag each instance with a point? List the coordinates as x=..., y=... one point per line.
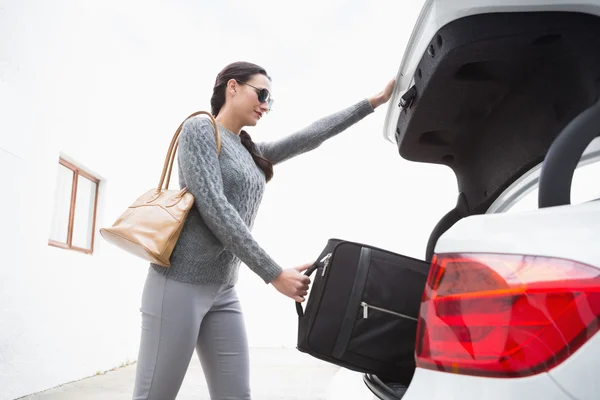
x=228, y=190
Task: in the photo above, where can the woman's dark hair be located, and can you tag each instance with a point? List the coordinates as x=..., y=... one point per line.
x=242, y=72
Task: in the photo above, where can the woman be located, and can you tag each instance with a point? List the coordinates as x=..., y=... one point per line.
x=193, y=304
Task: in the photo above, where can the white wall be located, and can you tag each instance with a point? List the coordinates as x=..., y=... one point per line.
x=106, y=84
x=63, y=315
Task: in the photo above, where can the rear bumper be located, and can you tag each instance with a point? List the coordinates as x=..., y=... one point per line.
x=433, y=385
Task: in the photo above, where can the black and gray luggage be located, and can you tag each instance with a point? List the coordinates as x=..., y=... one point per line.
x=362, y=309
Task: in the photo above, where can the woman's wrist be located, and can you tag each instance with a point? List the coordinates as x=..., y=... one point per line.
x=383, y=96
x=376, y=101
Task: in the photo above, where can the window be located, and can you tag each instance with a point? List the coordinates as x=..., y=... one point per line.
x=523, y=194
x=74, y=214
x=583, y=189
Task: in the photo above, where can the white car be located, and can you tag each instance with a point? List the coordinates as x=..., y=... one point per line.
x=506, y=94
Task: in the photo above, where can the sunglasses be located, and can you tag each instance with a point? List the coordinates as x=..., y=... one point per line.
x=264, y=96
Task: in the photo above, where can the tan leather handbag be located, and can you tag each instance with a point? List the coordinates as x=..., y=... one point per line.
x=150, y=227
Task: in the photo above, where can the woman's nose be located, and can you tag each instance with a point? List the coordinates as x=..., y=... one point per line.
x=264, y=107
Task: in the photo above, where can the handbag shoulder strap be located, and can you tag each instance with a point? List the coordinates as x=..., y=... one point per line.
x=169, y=160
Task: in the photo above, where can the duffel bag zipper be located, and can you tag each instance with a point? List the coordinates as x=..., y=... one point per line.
x=325, y=261
x=366, y=307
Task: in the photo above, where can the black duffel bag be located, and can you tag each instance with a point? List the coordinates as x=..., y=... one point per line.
x=362, y=310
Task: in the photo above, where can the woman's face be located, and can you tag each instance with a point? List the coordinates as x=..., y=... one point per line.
x=246, y=99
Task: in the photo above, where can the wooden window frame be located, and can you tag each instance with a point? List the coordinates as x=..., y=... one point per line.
x=69, y=246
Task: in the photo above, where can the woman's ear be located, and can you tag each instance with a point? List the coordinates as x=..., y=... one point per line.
x=232, y=86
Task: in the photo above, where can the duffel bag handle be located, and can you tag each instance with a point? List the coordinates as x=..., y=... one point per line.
x=308, y=272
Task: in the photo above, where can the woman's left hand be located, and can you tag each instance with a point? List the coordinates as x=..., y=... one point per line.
x=383, y=96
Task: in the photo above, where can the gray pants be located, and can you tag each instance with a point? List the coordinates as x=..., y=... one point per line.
x=180, y=317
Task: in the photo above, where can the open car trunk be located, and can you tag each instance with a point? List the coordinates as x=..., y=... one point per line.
x=490, y=95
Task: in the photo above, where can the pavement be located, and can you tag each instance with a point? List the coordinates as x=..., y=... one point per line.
x=276, y=374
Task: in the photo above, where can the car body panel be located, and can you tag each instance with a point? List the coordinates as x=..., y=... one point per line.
x=546, y=232
x=578, y=375
x=433, y=385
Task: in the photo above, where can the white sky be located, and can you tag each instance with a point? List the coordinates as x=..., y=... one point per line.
x=115, y=78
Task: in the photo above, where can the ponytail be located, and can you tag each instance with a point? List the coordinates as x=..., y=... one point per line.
x=263, y=163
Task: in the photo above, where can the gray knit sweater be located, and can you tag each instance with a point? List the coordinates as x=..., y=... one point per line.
x=228, y=189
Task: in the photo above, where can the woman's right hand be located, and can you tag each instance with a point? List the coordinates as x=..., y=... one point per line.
x=292, y=283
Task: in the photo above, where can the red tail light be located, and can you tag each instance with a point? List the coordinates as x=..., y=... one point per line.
x=505, y=315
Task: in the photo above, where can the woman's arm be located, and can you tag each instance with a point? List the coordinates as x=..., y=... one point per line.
x=325, y=128
x=199, y=164
x=315, y=134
